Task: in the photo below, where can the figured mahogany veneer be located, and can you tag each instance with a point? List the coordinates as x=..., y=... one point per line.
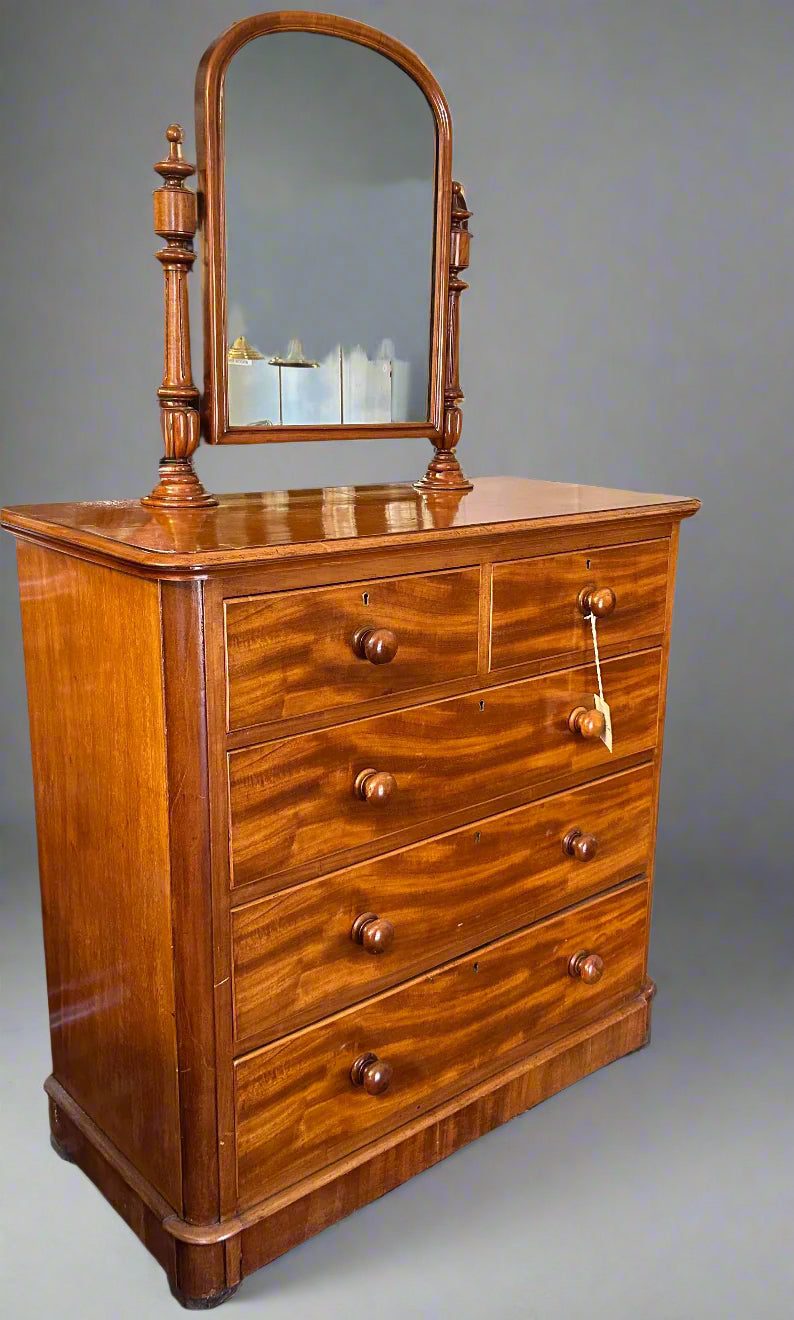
x=293, y=956
x=440, y=1033
x=279, y=663
x=294, y=800
x=332, y=885
x=539, y=605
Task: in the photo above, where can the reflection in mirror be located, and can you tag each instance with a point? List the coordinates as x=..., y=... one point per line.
x=330, y=175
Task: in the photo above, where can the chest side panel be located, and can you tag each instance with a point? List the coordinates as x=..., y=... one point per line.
x=95, y=693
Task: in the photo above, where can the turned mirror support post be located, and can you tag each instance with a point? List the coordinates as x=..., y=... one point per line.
x=175, y=220
x=444, y=471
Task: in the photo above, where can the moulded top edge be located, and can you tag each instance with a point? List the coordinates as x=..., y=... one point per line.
x=273, y=525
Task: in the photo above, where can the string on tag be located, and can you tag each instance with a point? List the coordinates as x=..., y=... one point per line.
x=599, y=699
x=592, y=619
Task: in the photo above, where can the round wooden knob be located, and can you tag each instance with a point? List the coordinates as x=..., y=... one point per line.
x=375, y=786
x=587, y=967
x=599, y=601
x=375, y=934
x=378, y=645
x=591, y=724
x=581, y=846
x=372, y=1073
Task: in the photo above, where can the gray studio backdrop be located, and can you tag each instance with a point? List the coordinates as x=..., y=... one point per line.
x=630, y=322
x=630, y=319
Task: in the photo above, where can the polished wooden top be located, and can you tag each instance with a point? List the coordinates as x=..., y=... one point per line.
x=275, y=524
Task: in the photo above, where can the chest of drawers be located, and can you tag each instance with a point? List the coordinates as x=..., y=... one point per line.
x=336, y=871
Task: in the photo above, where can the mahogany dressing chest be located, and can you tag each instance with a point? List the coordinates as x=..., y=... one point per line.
x=338, y=870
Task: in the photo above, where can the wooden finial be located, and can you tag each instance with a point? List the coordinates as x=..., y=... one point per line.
x=444, y=471
x=176, y=221
x=174, y=169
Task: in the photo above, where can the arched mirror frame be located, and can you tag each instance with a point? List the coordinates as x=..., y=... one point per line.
x=210, y=144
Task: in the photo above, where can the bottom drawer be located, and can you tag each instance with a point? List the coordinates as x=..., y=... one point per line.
x=297, y=1107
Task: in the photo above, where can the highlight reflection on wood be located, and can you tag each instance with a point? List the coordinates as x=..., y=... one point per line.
x=97, y=732
x=267, y=526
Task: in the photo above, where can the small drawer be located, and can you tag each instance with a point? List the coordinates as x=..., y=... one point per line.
x=316, y=1096
x=311, y=797
x=539, y=605
x=298, y=652
x=306, y=952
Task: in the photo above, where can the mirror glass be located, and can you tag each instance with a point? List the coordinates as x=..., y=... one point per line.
x=330, y=199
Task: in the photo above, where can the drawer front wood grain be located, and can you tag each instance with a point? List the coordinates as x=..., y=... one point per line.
x=294, y=956
x=292, y=653
x=536, y=611
x=297, y=1107
x=293, y=800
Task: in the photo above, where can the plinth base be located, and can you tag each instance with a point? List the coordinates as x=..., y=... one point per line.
x=205, y=1263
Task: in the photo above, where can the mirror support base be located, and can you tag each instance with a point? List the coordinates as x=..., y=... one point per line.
x=178, y=488
x=444, y=472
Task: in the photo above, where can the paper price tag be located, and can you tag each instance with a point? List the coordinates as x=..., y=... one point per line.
x=606, y=736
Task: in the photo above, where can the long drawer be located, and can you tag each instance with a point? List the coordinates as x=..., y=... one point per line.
x=298, y=652
x=538, y=609
x=305, y=952
x=297, y=1106
x=299, y=799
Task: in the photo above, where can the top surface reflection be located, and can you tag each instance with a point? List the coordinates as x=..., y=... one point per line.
x=278, y=523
